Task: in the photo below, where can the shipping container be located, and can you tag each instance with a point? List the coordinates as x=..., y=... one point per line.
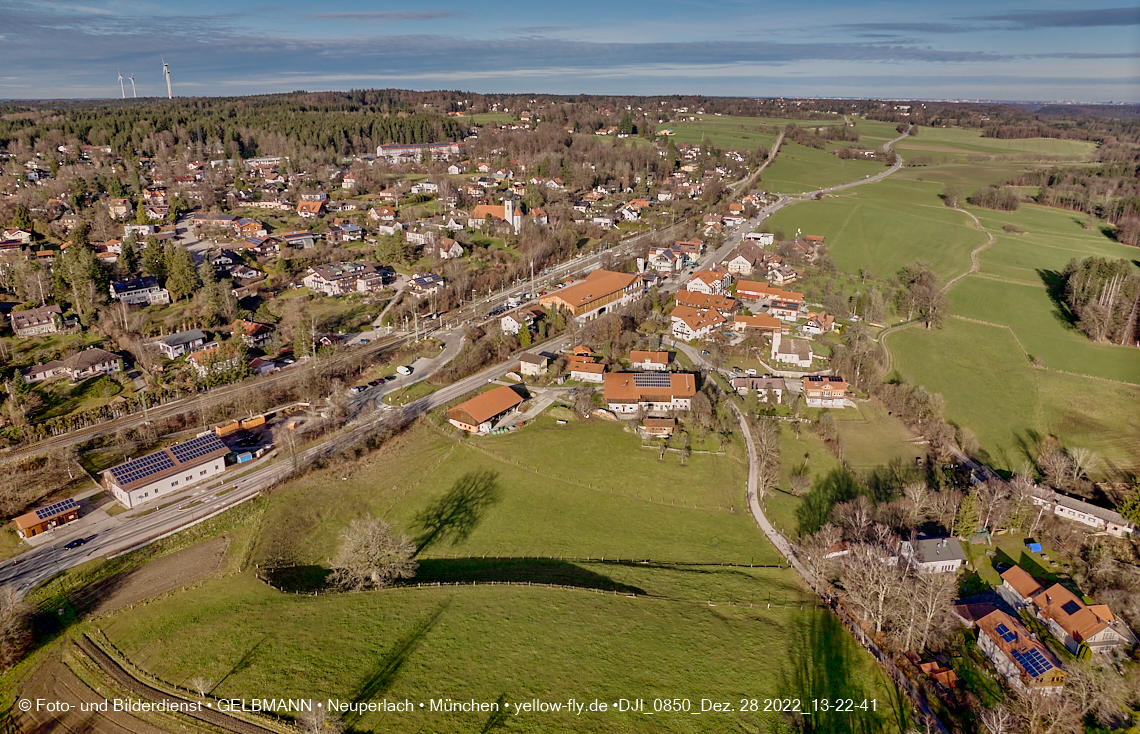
x=227, y=429
x=253, y=422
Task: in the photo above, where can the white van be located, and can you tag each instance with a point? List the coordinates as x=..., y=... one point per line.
x=404, y=369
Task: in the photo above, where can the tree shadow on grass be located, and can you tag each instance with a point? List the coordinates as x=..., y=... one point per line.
x=455, y=515
x=382, y=677
x=825, y=664
x=1055, y=287
x=886, y=481
x=516, y=571
x=835, y=487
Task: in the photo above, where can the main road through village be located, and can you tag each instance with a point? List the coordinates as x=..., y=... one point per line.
x=109, y=536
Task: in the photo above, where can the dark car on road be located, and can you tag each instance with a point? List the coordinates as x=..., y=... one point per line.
x=76, y=543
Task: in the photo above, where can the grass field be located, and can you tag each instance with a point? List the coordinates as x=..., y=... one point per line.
x=991, y=387
x=886, y=225
x=798, y=169
x=870, y=438
x=709, y=629
x=955, y=144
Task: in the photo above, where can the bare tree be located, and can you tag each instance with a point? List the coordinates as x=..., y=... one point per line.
x=317, y=721
x=15, y=633
x=372, y=553
x=800, y=481
x=855, y=517
x=583, y=400
x=1097, y=691
x=871, y=581
x=998, y=719
x=1044, y=714
x=766, y=436
x=933, y=594
x=200, y=684
x=992, y=499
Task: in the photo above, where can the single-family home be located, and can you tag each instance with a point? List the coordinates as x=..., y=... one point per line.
x=933, y=555
x=1019, y=657
x=140, y=291
x=716, y=281
x=36, y=321
x=255, y=335
x=796, y=352
x=515, y=321
x=824, y=391
x=646, y=361
x=768, y=389
x=310, y=209
x=784, y=310
x=689, y=323
x=724, y=305
x=818, y=323
x=423, y=284
x=1074, y=623
x=762, y=323
x=533, y=365
x=174, y=346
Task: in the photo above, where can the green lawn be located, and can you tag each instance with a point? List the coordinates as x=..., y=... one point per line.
x=871, y=438
x=990, y=387
x=711, y=631
x=958, y=144
x=885, y=225
x=798, y=169
x=780, y=504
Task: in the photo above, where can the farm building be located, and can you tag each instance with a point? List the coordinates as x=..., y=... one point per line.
x=165, y=471
x=480, y=413
x=47, y=518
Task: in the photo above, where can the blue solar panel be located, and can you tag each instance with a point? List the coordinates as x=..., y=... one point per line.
x=1005, y=632
x=1033, y=661
x=196, y=448
x=45, y=512
x=652, y=379
x=143, y=467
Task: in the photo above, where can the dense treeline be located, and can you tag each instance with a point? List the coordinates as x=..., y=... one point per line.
x=1104, y=296
x=1110, y=192
x=995, y=197
x=236, y=127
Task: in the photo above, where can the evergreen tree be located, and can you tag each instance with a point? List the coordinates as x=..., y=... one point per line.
x=524, y=337
x=969, y=517
x=79, y=274
x=181, y=280
x=211, y=297
x=140, y=214
x=21, y=219
x=154, y=260
x=128, y=258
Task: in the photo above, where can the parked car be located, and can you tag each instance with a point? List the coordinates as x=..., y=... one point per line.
x=750, y=372
x=377, y=381
x=404, y=369
x=355, y=390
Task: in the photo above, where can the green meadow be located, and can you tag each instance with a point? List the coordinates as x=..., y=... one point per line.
x=799, y=169
x=661, y=616
x=883, y=226
x=957, y=145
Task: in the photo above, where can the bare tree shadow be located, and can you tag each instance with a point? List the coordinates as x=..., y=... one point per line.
x=457, y=513
x=384, y=675
x=886, y=481
x=836, y=486
x=825, y=666
x=241, y=665
x=498, y=718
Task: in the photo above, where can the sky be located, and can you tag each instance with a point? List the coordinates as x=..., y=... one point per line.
x=969, y=49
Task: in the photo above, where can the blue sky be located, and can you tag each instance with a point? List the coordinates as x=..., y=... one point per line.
x=963, y=50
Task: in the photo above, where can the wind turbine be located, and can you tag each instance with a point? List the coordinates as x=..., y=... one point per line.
x=134, y=93
x=166, y=73
x=121, y=87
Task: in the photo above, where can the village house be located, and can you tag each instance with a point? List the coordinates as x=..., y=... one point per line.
x=79, y=366
x=36, y=321
x=796, y=352
x=784, y=310
x=119, y=208
x=745, y=258
x=1086, y=513
x=515, y=321
x=1019, y=657
x=689, y=323
x=255, y=335
x=768, y=389
x=818, y=323
x=585, y=369
x=649, y=361
x=208, y=360
x=174, y=346
x=715, y=281
x=626, y=393
x=424, y=284
x=47, y=518
x=724, y=305
x=481, y=413
x=1075, y=623
x=345, y=232
x=339, y=279
x=762, y=323
x=824, y=391
x=445, y=248
x=140, y=291
x=601, y=290
x=933, y=555
x=382, y=214
x=310, y=209
x=657, y=427
x=781, y=275
x=533, y=365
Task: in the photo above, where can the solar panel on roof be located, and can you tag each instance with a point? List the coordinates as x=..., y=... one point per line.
x=652, y=379
x=196, y=448
x=1071, y=607
x=45, y=512
x=1033, y=661
x=1005, y=632
x=142, y=467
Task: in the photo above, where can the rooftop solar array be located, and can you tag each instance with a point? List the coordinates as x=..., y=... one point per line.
x=1033, y=661
x=52, y=510
x=1071, y=607
x=196, y=448
x=1006, y=633
x=652, y=379
x=142, y=467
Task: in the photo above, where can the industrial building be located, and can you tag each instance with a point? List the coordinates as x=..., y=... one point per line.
x=166, y=471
